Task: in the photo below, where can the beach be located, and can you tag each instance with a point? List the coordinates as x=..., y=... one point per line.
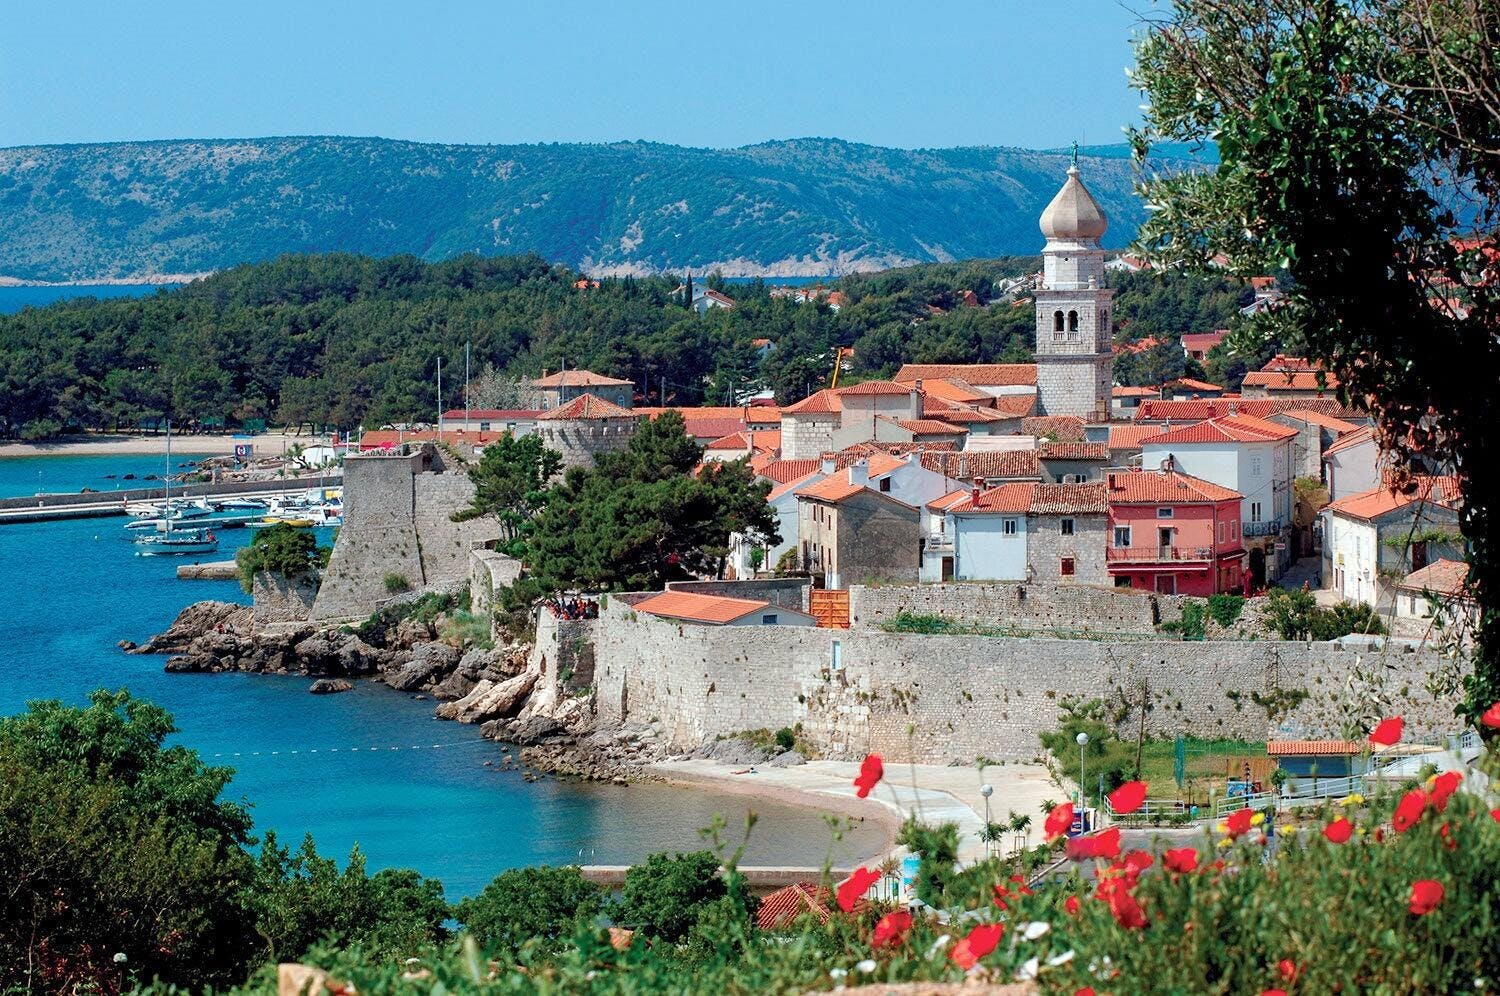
x=266, y=444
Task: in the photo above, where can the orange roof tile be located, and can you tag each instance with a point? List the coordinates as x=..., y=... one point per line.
x=1160, y=410
x=585, y=407
x=579, y=378
x=1154, y=487
x=950, y=499
x=1016, y=405
x=1203, y=341
x=734, y=441
x=784, y=906
x=699, y=608
x=1073, y=450
x=874, y=387
x=1351, y=439
x=927, y=426
x=752, y=414
x=1069, y=499
x=824, y=402
x=1379, y=501
x=953, y=389
x=1195, y=385
x=978, y=374
x=833, y=488
x=880, y=464
x=1300, y=748
x=960, y=413
x=766, y=439
x=782, y=471
x=989, y=465
x=1128, y=437
x=1134, y=392
x=1225, y=429
x=1318, y=418
x=1441, y=577
x=1063, y=428
x=1296, y=380
x=791, y=485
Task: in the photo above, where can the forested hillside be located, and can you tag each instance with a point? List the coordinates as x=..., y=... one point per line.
x=347, y=340
x=807, y=206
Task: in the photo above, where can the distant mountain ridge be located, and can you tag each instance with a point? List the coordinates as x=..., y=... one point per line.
x=141, y=210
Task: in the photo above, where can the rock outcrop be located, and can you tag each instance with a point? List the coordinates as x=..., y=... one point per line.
x=491, y=699
x=328, y=686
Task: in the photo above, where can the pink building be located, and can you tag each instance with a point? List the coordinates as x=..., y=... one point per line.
x=1174, y=534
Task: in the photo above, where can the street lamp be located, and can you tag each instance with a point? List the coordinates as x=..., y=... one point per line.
x=987, y=790
x=1083, y=741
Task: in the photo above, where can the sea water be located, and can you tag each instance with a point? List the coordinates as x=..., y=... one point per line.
x=13, y=299
x=371, y=766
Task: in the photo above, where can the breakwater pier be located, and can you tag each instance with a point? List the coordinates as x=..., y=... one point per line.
x=101, y=504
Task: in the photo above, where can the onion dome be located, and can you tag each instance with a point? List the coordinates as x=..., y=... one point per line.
x=1074, y=215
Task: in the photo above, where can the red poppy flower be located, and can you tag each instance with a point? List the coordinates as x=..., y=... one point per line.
x=891, y=929
x=1085, y=991
x=1182, y=860
x=1409, y=810
x=1128, y=797
x=1495, y=815
x=1071, y=904
x=1288, y=969
x=1059, y=821
x=1387, y=731
x=1238, y=822
x=871, y=771
x=1443, y=786
x=1491, y=715
x=1425, y=896
x=856, y=885
x=1273, y=992
x=1105, y=844
x=1126, y=911
x=1021, y=887
x=980, y=942
x=1339, y=831
x=1138, y=861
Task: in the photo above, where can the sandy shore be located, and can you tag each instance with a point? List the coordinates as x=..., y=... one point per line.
x=934, y=794
x=266, y=444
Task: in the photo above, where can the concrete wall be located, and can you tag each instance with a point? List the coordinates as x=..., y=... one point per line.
x=951, y=699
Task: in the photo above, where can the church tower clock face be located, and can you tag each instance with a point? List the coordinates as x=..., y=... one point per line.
x=1074, y=361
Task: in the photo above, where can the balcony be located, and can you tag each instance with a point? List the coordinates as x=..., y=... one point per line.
x=1158, y=554
x=1271, y=527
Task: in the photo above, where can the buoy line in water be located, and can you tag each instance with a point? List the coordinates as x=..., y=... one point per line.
x=303, y=751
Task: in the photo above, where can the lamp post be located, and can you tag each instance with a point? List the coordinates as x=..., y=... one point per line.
x=987, y=790
x=1083, y=741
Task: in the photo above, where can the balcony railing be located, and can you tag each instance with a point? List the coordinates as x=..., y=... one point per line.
x=1159, y=554
x=1271, y=527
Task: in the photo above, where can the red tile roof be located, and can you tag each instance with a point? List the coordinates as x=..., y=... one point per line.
x=927, y=426
x=782, y=471
x=824, y=402
x=960, y=413
x=1049, y=450
x=833, y=488
x=1154, y=487
x=862, y=451
x=1195, y=385
x=1441, y=577
x=874, y=387
x=751, y=414
x=1318, y=418
x=699, y=608
x=950, y=499
x=784, y=906
x=880, y=464
x=1023, y=497
x=1128, y=437
x=734, y=441
x=579, y=378
x=1202, y=342
x=586, y=407
x=1154, y=410
x=1063, y=428
x=385, y=439
x=1302, y=748
x=989, y=465
x=1298, y=380
x=1225, y=429
x=1137, y=347
x=1015, y=405
x=1134, y=392
x=492, y=414
x=953, y=389
x=1379, y=501
x=712, y=428
x=791, y=485
x=978, y=374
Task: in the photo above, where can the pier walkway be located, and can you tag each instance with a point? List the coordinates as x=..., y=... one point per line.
x=98, y=504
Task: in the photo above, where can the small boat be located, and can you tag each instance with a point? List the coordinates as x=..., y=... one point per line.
x=242, y=504
x=177, y=542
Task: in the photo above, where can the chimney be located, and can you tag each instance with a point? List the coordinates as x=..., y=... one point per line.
x=978, y=489
x=830, y=463
x=916, y=400
x=859, y=472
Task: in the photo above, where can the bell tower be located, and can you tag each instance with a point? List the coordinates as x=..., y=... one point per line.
x=1074, y=360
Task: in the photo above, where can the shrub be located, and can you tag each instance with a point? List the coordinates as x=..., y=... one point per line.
x=396, y=583
x=283, y=549
x=786, y=738
x=1190, y=624
x=544, y=904
x=1295, y=615
x=666, y=896
x=1225, y=608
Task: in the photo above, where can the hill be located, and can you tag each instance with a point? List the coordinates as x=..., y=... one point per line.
x=124, y=211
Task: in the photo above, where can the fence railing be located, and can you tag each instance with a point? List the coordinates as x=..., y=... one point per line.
x=1170, y=554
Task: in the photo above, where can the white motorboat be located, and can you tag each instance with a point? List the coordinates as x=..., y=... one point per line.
x=176, y=542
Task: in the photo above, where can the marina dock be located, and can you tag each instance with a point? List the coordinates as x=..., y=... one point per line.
x=100, y=504
x=214, y=570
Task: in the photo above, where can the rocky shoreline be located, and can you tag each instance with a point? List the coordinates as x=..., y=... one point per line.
x=500, y=690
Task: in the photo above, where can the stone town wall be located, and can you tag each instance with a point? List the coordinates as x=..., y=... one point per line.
x=789, y=593
x=1035, y=607
x=279, y=600
x=952, y=699
x=564, y=651
x=579, y=441
x=396, y=521
x=489, y=570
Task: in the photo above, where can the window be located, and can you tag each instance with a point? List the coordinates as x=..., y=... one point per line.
x=1008, y=527
x=1164, y=513
x=1223, y=531
x=1072, y=321
x=1072, y=479
x=1067, y=567
x=1066, y=527
x=1255, y=511
x=1255, y=465
x=768, y=620
x=1057, y=321
x=1122, y=536
x=837, y=655
x=885, y=484
x=1234, y=529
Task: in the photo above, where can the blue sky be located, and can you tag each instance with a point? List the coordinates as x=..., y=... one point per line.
x=925, y=73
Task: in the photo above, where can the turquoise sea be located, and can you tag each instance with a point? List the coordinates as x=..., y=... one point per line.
x=13, y=299
x=371, y=766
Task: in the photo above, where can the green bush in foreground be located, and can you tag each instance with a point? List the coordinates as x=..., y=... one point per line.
x=525, y=904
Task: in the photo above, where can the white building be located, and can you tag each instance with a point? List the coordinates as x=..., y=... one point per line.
x=1373, y=540
x=1352, y=465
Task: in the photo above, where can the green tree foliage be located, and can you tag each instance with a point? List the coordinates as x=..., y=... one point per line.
x=1357, y=151
x=666, y=897
x=280, y=548
x=640, y=517
x=510, y=484
x=524, y=904
x=112, y=842
x=303, y=899
x=1296, y=615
